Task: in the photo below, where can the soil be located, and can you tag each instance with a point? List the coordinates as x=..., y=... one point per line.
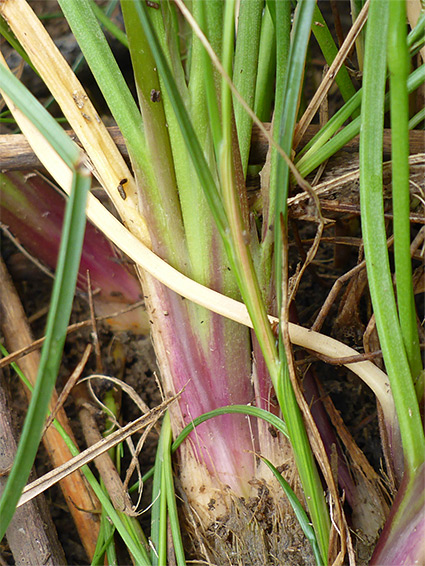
x=131, y=358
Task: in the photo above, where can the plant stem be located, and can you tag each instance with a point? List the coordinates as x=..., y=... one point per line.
x=374, y=237
x=102, y=63
x=245, y=67
x=399, y=63
x=51, y=354
x=266, y=69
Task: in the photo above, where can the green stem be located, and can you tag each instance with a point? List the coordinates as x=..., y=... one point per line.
x=245, y=272
x=98, y=55
x=375, y=239
x=399, y=63
x=323, y=146
x=169, y=493
x=264, y=89
x=282, y=12
x=291, y=85
x=245, y=70
x=159, y=197
x=210, y=12
x=188, y=132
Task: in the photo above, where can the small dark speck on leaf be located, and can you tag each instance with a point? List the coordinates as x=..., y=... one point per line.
x=121, y=190
x=155, y=95
x=116, y=294
x=273, y=431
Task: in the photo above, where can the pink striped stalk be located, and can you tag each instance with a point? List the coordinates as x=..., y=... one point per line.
x=33, y=212
x=204, y=354
x=402, y=542
x=208, y=358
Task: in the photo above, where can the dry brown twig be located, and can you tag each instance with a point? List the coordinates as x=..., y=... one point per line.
x=135, y=397
x=16, y=154
x=72, y=380
x=74, y=464
x=37, y=344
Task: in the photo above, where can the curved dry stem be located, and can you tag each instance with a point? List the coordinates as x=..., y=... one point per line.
x=163, y=272
x=376, y=379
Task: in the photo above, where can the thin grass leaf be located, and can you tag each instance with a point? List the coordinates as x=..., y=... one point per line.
x=11, y=39
x=231, y=409
x=303, y=456
x=209, y=12
x=417, y=119
x=398, y=64
x=17, y=369
x=39, y=117
x=105, y=541
x=61, y=301
x=281, y=15
x=417, y=34
x=319, y=148
x=292, y=82
x=264, y=88
x=300, y=514
x=170, y=495
x=272, y=419
x=134, y=546
x=245, y=67
x=159, y=508
x=108, y=24
x=375, y=239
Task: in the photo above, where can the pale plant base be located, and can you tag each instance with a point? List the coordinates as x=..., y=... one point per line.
x=259, y=530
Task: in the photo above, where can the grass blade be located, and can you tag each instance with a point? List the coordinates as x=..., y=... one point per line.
x=330, y=51
x=323, y=146
x=375, y=238
x=167, y=475
x=302, y=451
x=245, y=70
x=159, y=510
x=62, y=295
x=399, y=63
x=300, y=514
x=51, y=354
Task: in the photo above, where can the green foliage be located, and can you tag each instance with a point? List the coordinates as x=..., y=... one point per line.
x=189, y=140
x=62, y=294
x=374, y=233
